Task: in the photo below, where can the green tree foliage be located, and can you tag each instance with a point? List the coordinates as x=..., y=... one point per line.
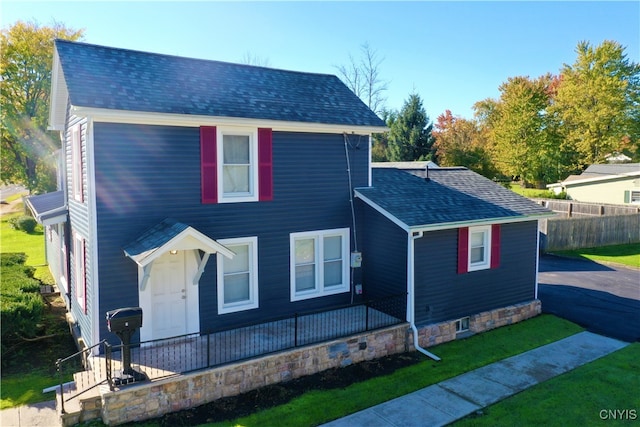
x=524, y=139
x=25, y=71
x=459, y=142
x=380, y=141
x=410, y=135
x=598, y=102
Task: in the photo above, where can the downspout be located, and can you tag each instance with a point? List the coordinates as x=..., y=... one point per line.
x=411, y=293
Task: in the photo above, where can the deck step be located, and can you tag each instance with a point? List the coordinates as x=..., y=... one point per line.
x=83, y=400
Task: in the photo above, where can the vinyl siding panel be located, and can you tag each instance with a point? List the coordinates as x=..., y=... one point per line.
x=443, y=294
x=384, y=254
x=145, y=174
x=79, y=218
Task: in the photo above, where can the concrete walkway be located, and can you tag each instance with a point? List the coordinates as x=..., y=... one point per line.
x=455, y=398
x=436, y=405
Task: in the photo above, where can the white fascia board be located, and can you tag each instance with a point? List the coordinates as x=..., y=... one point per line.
x=382, y=211
x=474, y=223
x=187, y=120
x=58, y=96
x=449, y=225
x=599, y=178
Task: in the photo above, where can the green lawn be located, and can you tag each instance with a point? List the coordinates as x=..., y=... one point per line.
x=577, y=398
x=32, y=244
x=460, y=356
x=620, y=254
x=530, y=192
x=26, y=388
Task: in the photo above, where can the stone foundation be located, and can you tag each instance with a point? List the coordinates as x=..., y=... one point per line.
x=151, y=400
x=439, y=333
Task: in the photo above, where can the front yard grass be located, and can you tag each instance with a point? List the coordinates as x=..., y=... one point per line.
x=583, y=396
x=317, y=407
x=628, y=255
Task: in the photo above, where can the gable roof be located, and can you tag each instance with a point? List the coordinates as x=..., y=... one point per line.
x=601, y=172
x=168, y=235
x=450, y=198
x=105, y=78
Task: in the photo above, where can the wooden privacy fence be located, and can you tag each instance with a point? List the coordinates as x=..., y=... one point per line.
x=571, y=208
x=589, y=232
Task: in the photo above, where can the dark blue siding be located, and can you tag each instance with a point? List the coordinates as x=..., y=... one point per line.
x=147, y=173
x=442, y=294
x=384, y=254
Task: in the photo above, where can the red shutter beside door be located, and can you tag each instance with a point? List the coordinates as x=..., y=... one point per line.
x=208, y=173
x=463, y=250
x=495, y=246
x=265, y=164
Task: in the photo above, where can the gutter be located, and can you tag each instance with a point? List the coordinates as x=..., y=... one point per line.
x=411, y=292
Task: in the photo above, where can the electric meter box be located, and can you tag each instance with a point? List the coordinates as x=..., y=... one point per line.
x=356, y=259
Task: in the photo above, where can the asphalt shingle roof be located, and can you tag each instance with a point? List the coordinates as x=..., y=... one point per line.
x=610, y=169
x=111, y=78
x=153, y=239
x=451, y=195
x=48, y=205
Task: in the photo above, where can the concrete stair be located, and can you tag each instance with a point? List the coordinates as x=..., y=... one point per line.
x=82, y=399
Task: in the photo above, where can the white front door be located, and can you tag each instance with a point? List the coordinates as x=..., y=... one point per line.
x=168, y=286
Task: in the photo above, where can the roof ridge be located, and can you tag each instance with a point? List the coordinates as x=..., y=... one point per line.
x=189, y=58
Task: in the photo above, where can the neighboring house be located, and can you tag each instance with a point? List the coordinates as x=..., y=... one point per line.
x=614, y=183
x=214, y=194
x=462, y=244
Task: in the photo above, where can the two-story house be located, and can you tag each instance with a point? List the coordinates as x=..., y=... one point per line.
x=213, y=194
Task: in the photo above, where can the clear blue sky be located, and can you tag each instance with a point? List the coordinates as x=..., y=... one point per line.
x=452, y=54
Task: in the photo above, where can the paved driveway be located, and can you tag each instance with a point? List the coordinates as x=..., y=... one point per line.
x=603, y=298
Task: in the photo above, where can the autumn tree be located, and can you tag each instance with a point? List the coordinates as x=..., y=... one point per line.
x=598, y=102
x=410, y=135
x=363, y=77
x=524, y=139
x=459, y=142
x=25, y=72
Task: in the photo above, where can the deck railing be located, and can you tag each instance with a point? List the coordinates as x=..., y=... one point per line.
x=187, y=353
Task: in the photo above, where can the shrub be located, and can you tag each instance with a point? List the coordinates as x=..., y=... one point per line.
x=21, y=305
x=25, y=223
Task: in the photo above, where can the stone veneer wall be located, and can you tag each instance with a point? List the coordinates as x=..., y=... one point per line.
x=150, y=400
x=439, y=333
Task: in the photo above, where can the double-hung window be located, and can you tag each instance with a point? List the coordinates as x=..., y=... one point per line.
x=319, y=263
x=238, y=277
x=76, y=163
x=238, y=168
x=479, y=248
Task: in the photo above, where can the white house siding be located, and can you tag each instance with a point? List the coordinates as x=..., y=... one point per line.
x=606, y=191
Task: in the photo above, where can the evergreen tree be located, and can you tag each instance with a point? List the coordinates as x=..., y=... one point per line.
x=410, y=135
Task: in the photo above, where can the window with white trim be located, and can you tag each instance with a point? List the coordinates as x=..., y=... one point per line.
x=635, y=196
x=80, y=279
x=479, y=248
x=238, y=277
x=319, y=263
x=238, y=165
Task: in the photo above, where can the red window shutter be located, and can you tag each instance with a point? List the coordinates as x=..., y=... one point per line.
x=208, y=173
x=495, y=246
x=265, y=164
x=463, y=250
x=83, y=279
